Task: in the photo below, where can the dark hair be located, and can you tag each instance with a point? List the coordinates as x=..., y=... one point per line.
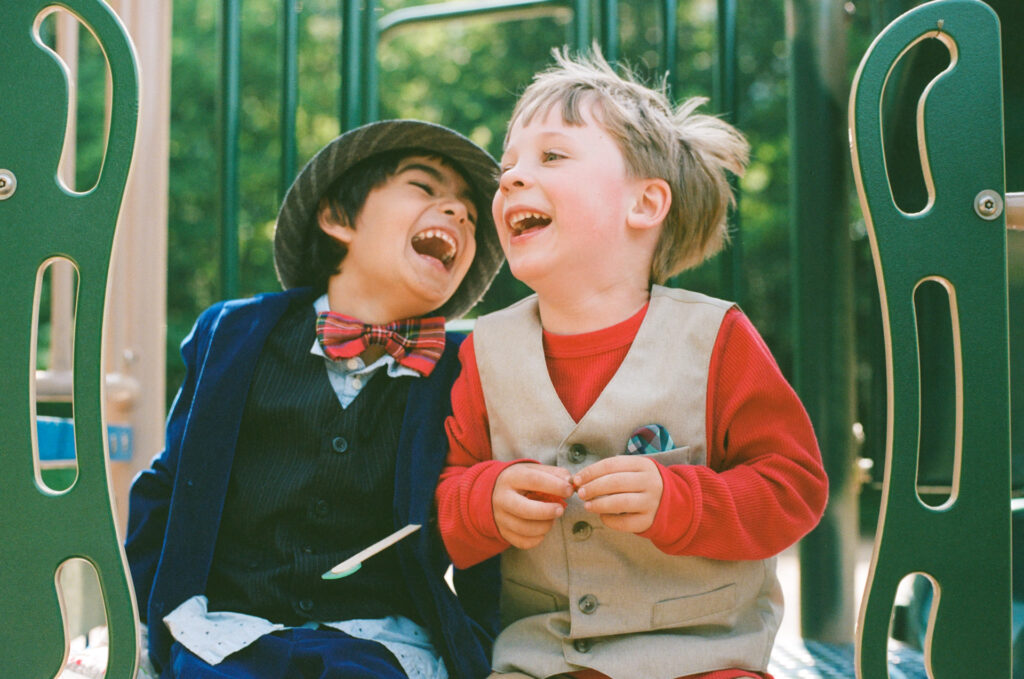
x=346, y=196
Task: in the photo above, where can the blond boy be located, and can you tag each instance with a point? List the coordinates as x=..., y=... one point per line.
x=633, y=452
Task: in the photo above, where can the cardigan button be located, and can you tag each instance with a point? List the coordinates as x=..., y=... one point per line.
x=582, y=645
x=587, y=603
x=581, y=530
x=320, y=508
x=339, y=444
x=577, y=453
x=306, y=605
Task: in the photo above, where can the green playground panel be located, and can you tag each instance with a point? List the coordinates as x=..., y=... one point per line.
x=40, y=219
x=958, y=243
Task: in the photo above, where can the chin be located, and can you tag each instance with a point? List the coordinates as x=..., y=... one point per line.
x=428, y=301
x=526, y=272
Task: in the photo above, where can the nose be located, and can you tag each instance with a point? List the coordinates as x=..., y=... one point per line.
x=512, y=177
x=453, y=207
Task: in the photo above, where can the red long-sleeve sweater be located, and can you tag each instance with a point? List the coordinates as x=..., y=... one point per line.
x=763, y=488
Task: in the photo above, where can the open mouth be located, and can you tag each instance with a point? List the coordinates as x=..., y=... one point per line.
x=523, y=222
x=438, y=244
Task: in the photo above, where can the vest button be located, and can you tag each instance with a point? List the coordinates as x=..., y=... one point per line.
x=306, y=605
x=339, y=444
x=582, y=645
x=587, y=603
x=577, y=453
x=320, y=508
x=581, y=530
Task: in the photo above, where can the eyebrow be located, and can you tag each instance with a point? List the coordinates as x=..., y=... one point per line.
x=553, y=134
x=550, y=136
x=432, y=171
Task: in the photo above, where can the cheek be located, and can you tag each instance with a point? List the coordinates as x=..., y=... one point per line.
x=470, y=256
x=497, y=207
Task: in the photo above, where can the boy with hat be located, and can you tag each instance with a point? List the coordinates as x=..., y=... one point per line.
x=632, y=451
x=309, y=426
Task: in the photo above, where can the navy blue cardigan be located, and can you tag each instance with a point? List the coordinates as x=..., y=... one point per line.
x=176, y=504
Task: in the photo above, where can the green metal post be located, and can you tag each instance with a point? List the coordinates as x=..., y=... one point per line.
x=230, y=44
x=610, y=29
x=823, y=303
x=731, y=260
x=371, y=96
x=289, y=90
x=351, y=65
x=581, y=23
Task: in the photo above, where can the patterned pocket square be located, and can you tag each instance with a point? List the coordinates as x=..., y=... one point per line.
x=650, y=438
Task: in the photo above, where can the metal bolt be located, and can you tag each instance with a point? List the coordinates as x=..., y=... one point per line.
x=8, y=184
x=988, y=204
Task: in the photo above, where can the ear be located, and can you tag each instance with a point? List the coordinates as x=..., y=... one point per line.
x=332, y=222
x=653, y=199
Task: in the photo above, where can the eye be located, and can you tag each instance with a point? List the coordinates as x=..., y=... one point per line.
x=549, y=156
x=426, y=188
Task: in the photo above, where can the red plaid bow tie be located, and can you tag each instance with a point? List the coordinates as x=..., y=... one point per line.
x=416, y=343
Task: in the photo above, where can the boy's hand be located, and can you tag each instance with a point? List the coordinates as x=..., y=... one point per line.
x=527, y=499
x=624, y=490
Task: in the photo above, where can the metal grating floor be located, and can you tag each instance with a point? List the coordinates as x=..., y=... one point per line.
x=798, y=659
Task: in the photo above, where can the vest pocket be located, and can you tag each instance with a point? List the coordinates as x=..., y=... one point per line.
x=679, y=455
x=520, y=601
x=685, y=609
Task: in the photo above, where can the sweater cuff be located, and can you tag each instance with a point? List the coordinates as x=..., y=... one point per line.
x=481, y=510
x=676, y=520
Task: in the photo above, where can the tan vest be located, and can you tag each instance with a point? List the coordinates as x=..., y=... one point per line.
x=589, y=596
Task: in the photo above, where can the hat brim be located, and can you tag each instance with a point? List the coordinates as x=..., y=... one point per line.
x=296, y=220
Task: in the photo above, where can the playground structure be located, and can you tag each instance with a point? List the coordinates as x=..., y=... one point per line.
x=969, y=269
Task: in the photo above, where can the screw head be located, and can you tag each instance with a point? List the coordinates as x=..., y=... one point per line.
x=988, y=205
x=8, y=184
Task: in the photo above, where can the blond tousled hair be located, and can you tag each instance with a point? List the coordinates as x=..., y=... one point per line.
x=689, y=150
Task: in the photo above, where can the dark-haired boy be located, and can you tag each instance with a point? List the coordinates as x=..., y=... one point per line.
x=309, y=426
